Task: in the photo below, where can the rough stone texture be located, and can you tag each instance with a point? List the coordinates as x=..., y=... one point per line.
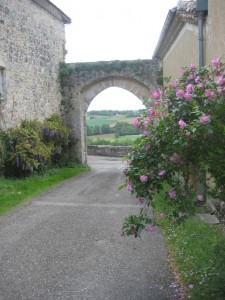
x=220, y=210
x=113, y=151
x=32, y=43
x=87, y=80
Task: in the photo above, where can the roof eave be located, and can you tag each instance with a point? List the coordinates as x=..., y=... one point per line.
x=169, y=19
x=53, y=10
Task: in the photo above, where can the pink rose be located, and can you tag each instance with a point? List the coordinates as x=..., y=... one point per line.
x=200, y=197
x=148, y=147
x=136, y=122
x=210, y=94
x=172, y=194
x=182, y=123
x=205, y=119
x=222, y=81
x=154, y=112
x=157, y=94
x=173, y=84
x=180, y=93
x=192, y=67
x=182, y=72
x=143, y=178
x=188, y=96
x=190, y=88
x=216, y=62
x=188, y=134
x=175, y=158
x=150, y=228
x=130, y=186
x=162, y=173
x=149, y=120
x=197, y=79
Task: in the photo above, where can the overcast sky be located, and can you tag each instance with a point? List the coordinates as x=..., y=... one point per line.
x=111, y=30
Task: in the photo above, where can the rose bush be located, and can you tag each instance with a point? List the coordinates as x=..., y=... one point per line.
x=183, y=139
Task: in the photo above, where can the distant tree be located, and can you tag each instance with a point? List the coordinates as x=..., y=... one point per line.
x=89, y=130
x=105, y=128
x=96, y=130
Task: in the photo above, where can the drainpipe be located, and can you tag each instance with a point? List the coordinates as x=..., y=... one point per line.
x=201, y=9
x=200, y=38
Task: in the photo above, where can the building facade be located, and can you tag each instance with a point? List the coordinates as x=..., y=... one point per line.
x=178, y=44
x=32, y=45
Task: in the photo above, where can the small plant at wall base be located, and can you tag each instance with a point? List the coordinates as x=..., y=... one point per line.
x=34, y=146
x=183, y=133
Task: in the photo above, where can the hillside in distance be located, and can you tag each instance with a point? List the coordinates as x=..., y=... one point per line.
x=112, y=121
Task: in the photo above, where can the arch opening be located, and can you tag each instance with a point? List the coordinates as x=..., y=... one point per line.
x=115, y=98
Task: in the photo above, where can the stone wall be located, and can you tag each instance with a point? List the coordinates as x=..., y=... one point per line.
x=113, y=151
x=32, y=44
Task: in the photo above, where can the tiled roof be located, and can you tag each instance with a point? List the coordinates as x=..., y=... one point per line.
x=186, y=6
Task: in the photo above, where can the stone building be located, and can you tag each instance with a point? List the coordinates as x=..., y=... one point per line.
x=32, y=45
x=178, y=43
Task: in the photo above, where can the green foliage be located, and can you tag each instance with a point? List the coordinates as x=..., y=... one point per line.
x=109, y=66
x=133, y=225
x=124, y=128
x=184, y=132
x=65, y=70
x=56, y=134
x=33, y=146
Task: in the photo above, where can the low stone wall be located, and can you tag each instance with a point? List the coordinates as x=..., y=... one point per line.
x=220, y=210
x=114, y=151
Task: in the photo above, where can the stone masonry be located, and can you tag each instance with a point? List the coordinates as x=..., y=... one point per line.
x=87, y=80
x=32, y=44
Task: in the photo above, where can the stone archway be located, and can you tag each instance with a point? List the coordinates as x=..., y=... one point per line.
x=86, y=80
x=89, y=92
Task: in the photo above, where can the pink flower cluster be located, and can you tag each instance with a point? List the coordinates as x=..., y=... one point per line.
x=182, y=123
x=157, y=94
x=150, y=228
x=137, y=123
x=175, y=158
x=144, y=178
x=188, y=94
x=130, y=186
x=172, y=194
x=162, y=173
x=205, y=119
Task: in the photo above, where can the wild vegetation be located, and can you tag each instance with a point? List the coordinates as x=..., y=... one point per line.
x=34, y=147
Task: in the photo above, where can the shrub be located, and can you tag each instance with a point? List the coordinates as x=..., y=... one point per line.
x=33, y=146
x=182, y=133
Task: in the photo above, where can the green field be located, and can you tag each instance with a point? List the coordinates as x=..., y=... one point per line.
x=109, y=139
x=108, y=120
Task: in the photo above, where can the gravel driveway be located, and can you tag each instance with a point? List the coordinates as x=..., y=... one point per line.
x=65, y=244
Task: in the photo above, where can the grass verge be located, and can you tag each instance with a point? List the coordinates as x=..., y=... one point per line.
x=16, y=191
x=198, y=254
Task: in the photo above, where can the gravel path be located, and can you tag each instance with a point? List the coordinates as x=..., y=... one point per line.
x=65, y=244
